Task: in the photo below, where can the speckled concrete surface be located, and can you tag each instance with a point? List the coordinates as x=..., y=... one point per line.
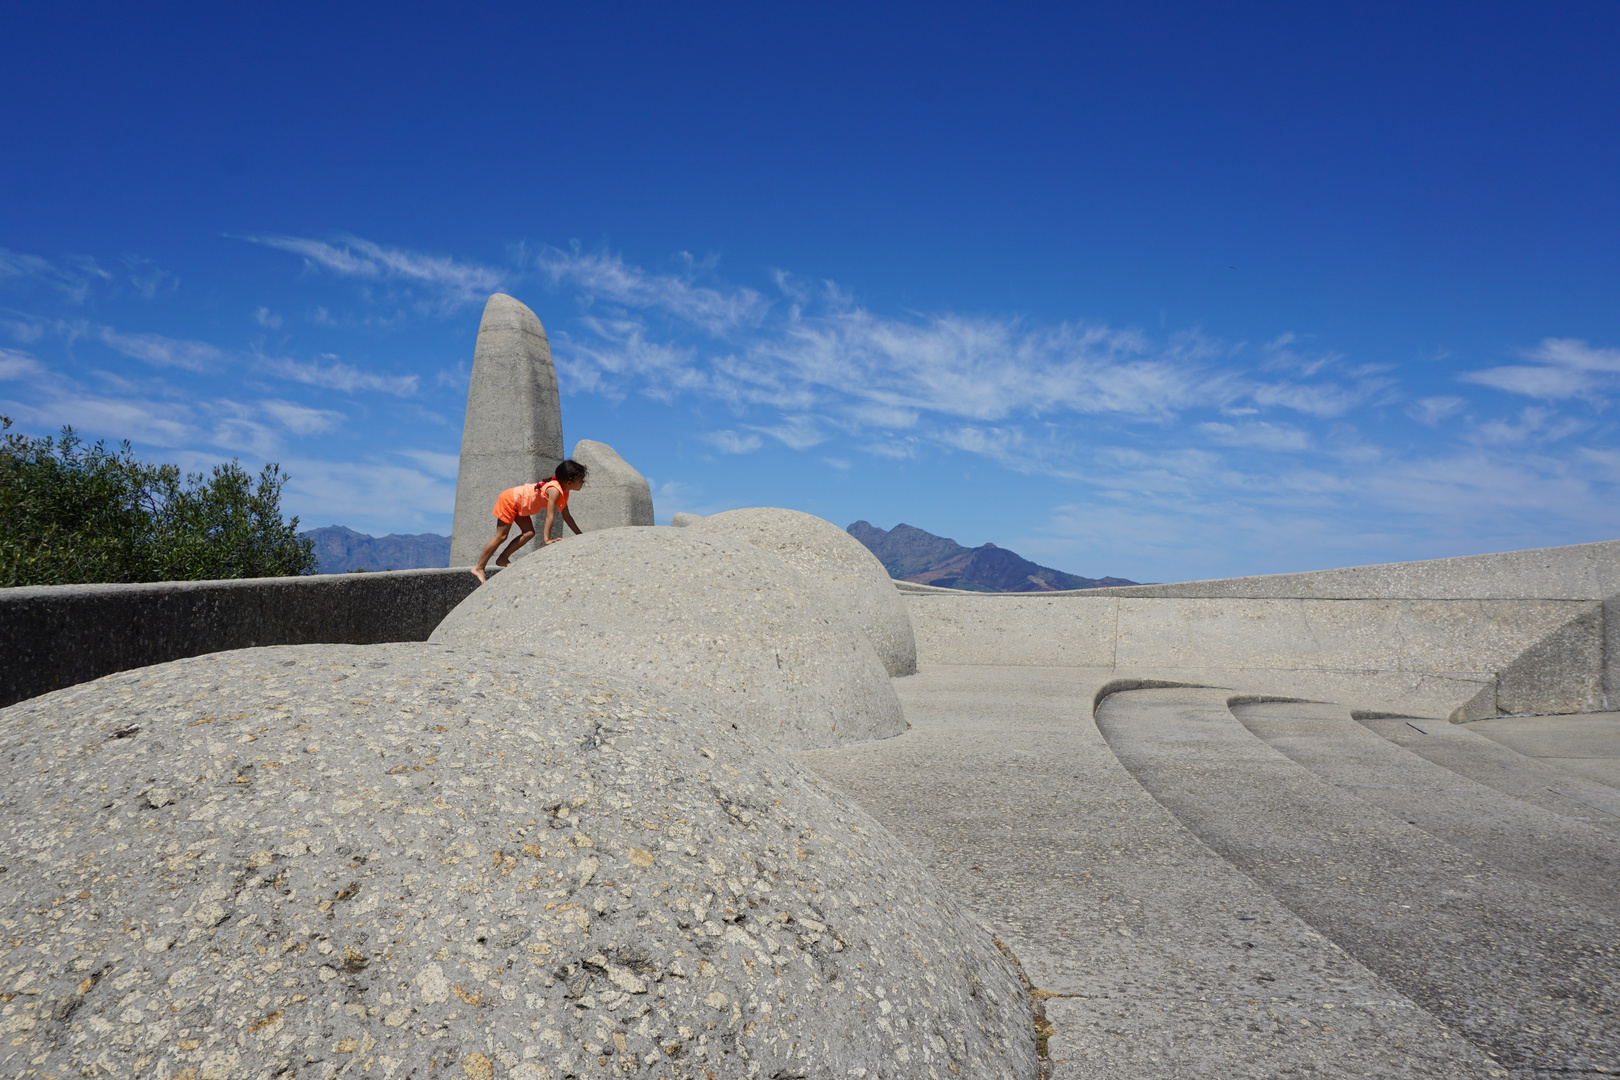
x=1161, y=958
x=1560, y=850
x=614, y=495
x=1466, y=752
x=835, y=562
x=405, y=861
x=1434, y=657
x=1587, y=745
x=1520, y=968
x=696, y=613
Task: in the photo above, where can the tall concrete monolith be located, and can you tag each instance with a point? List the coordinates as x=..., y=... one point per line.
x=614, y=494
x=513, y=433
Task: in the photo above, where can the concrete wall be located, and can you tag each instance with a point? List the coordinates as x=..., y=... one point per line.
x=57, y=635
x=1577, y=572
x=1463, y=658
x=1521, y=632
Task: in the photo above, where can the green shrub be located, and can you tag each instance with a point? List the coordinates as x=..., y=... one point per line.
x=73, y=514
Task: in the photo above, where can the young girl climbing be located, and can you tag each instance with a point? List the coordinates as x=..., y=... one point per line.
x=520, y=504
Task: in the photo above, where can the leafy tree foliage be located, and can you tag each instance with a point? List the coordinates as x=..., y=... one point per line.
x=76, y=514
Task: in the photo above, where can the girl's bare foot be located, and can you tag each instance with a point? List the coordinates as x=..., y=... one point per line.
x=478, y=572
x=503, y=561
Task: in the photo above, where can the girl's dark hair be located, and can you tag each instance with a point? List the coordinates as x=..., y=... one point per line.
x=570, y=470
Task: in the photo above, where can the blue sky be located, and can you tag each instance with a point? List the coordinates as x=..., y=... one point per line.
x=1159, y=291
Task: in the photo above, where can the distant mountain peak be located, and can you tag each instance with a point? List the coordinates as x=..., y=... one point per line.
x=339, y=549
x=912, y=554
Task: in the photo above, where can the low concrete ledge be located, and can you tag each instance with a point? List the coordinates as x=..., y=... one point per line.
x=53, y=636
x=1576, y=572
x=1447, y=658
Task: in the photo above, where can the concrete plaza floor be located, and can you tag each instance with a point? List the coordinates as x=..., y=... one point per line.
x=1202, y=885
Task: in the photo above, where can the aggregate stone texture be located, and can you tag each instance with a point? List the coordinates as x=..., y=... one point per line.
x=1512, y=963
x=1155, y=957
x=513, y=430
x=682, y=519
x=405, y=861
x=1468, y=657
x=696, y=613
x=851, y=576
x=614, y=494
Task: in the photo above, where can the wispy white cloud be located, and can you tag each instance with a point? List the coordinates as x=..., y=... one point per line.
x=376, y=496
x=445, y=466
x=1432, y=410
x=605, y=277
x=241, y=428
x=1322, y=401
x=24, y=330
x=818, y=355
x=730, y=442
x=337, y=375
x=1285, y=352
x=1536, y=424
x=15, y=264
x=798, y=432
x=1259, y=436
x=619, y=349
x=301, y=419
x=452, y=282
x=145, y=420
x=162, y=351
x=1576, y=355
x=72, y=279
x=1562, y=368
x=148, y=278
x=154, y=413
x=893, y=449
x=19, y=365
x=266, y=318
x=1539, y=382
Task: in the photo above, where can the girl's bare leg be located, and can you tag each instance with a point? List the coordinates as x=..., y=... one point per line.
x=489, y=549
x=528, y=534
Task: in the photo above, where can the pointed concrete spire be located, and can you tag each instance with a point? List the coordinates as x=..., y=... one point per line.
x=513, y=433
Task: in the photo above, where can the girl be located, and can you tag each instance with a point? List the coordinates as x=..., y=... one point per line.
x=519, y=504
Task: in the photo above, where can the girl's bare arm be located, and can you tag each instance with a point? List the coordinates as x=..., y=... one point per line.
x=551, y=513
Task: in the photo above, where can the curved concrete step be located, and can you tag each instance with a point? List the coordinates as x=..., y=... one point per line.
x=1520, y=970
x=1585, y=744
x=1468, y=753
x=1158, y=958
x=1550, y=849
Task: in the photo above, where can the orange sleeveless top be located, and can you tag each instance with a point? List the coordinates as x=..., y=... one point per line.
x=528, y=500
x=562, y=494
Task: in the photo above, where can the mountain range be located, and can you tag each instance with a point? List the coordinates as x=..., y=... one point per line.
x=911, y=554
x=907, y=552
x=339, y=550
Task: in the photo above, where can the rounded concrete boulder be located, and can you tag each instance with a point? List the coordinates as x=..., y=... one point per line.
x=704, y=614
x=614, y=495
x=401, y=861
x=834, y=561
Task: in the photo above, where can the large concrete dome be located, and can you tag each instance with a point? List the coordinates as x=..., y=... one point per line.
x=704, y=614
x=835, y=562
x=404, y=861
